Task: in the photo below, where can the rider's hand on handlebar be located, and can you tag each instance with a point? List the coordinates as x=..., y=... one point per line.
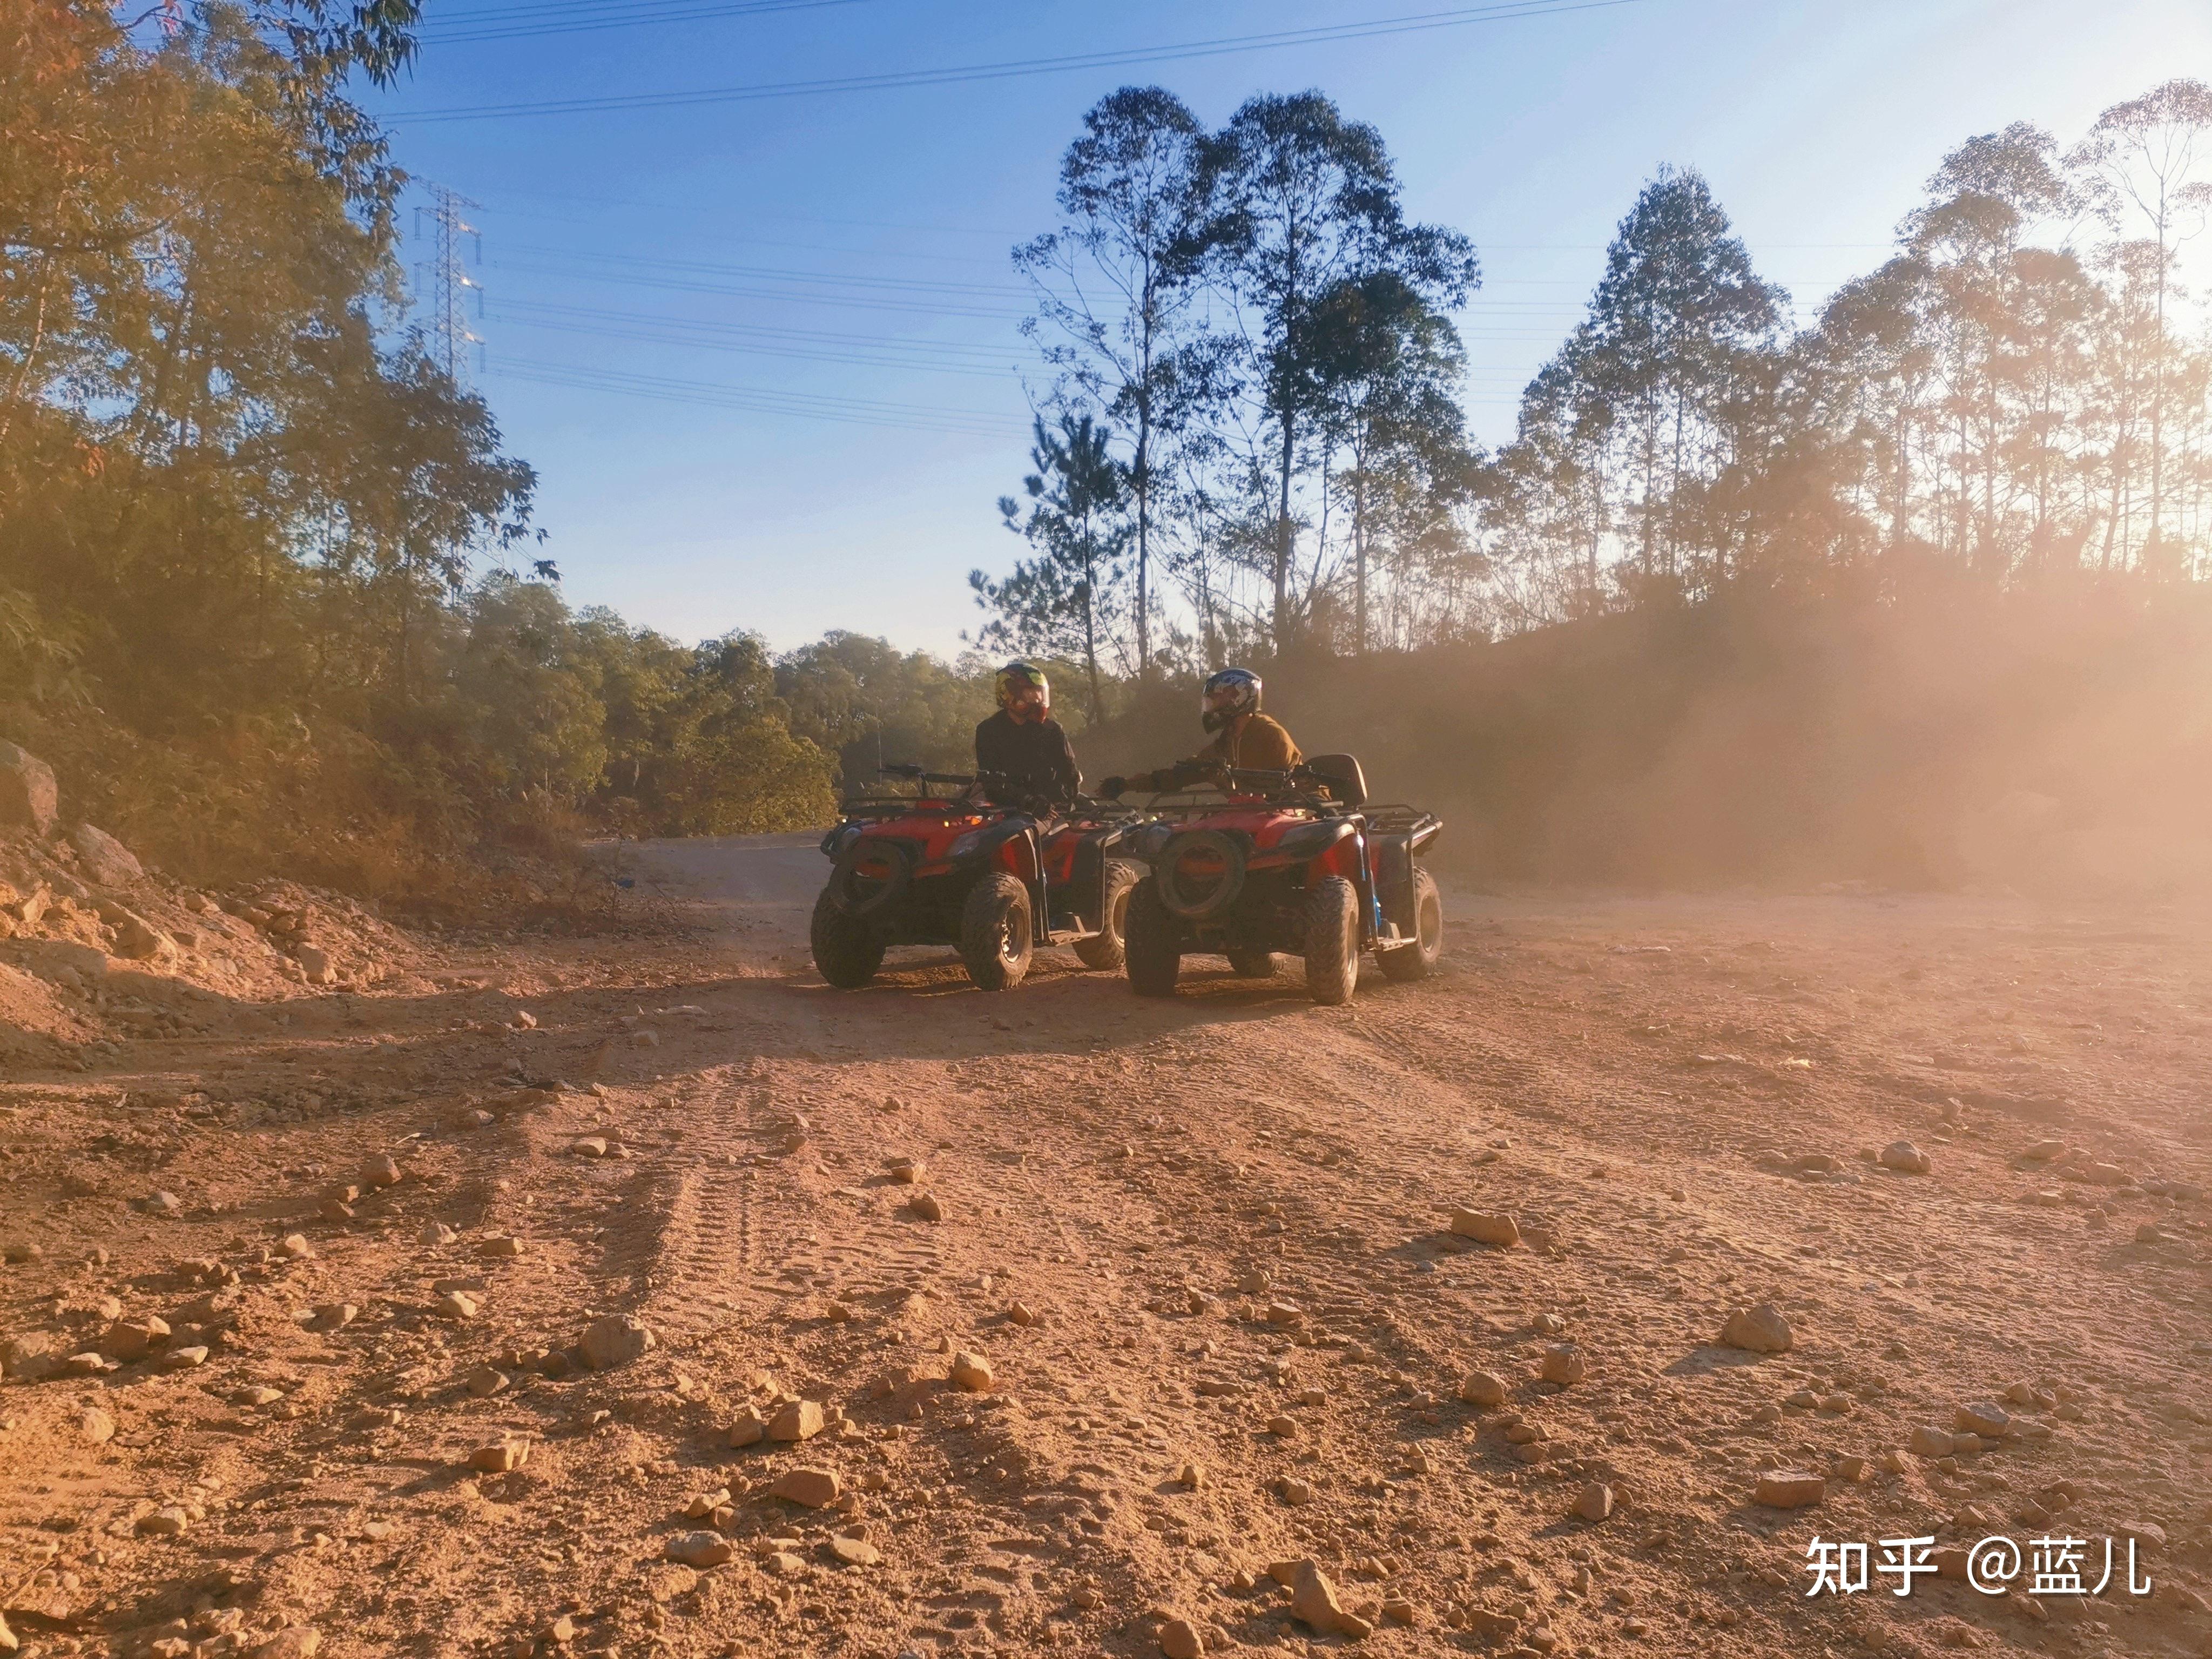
x=1111, y=788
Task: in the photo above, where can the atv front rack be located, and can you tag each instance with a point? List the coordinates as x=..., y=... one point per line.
x=1225, y=783
x=856, y=808
x=970, y=794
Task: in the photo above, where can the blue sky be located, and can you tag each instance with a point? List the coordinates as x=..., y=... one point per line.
x=822, y=283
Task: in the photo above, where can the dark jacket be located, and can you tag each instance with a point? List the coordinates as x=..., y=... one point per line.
x=1037, y=758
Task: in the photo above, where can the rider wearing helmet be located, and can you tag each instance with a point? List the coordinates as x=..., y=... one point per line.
x=1244, y=738
x=1023, y=744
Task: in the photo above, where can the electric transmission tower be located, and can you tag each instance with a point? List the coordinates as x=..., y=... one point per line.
x=448, y=281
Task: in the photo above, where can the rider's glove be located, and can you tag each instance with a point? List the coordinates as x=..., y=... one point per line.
x=1111, y=788
x=1190, y=772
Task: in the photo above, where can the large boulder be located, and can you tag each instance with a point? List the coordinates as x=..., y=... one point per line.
x=29, y=796
x=107, y=860
x=141, y=940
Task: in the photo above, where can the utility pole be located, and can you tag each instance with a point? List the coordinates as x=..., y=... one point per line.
x=448, y=282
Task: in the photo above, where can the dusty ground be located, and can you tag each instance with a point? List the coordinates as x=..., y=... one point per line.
x=1125, y=1189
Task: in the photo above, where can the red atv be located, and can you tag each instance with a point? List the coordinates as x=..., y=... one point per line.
x=954, y=864
x=1292, y=861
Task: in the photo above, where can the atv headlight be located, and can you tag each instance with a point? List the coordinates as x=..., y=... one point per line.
x=963, y=845
x=1312, y=838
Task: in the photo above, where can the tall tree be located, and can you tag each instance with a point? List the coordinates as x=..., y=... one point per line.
x=1068, y=599
x=1114, y=288
x=2150, y=163
x=1972, y=310
x=1388, y=369
x=1680, y=327
x=1299, y=200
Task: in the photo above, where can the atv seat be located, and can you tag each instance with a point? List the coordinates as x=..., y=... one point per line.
x=1341, y=773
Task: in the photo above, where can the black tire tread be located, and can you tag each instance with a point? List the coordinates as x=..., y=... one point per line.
x=1104, y=950
x=1331, y=941
x=846, y=951
x=1408, y=963
x=982, y=917
x=1151, y=943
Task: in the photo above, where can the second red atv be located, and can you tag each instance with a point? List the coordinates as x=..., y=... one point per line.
x=1297, y=862
x=956, y=864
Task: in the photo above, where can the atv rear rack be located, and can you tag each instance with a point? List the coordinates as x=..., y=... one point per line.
x=1396, y=818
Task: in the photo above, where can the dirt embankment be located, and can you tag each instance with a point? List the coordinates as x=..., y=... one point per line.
x=638, y=1294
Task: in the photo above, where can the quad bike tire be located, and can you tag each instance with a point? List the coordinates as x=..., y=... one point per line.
x=998, y=939
x=1253, y=964
x=1331, y=941
x=1407, y=963
x=1104, y=949
x=846, y=950
x=1151, y=943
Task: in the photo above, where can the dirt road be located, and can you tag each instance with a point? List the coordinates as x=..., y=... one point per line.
x=1201, y=1248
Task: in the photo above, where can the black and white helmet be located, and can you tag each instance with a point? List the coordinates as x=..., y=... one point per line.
x=1229, y=694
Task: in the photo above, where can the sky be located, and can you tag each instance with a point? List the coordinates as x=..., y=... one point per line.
x=765, y=352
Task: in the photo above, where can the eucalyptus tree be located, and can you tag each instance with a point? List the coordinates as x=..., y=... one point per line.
x=1677, y=328
x=2149, y=164
x=1298, y=201
x=1387, y=368
x=1114, y=292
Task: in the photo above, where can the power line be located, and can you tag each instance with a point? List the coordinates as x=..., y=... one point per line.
x=696, y=342
x=829, y=336
x=914, y=417
x=473, y=16
x=740, y=291
x=829, y=287
x=779, y=273
x=815, y=345
x=713, y=337
x=1512, y=11
x=494, y=26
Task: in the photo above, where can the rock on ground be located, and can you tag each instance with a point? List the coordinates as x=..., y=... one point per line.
x=972, y=1372
x=1760, y=1330
x=801, y=1419
x=1313, y=1600
x=1485, y=1228
x=107, y=860
x=28, y=796
x=1905, y=1158
x=700, y=1549
x=815, y=1489
x=1790, y=1489
x=617, y=1339
x=1484, y=1389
